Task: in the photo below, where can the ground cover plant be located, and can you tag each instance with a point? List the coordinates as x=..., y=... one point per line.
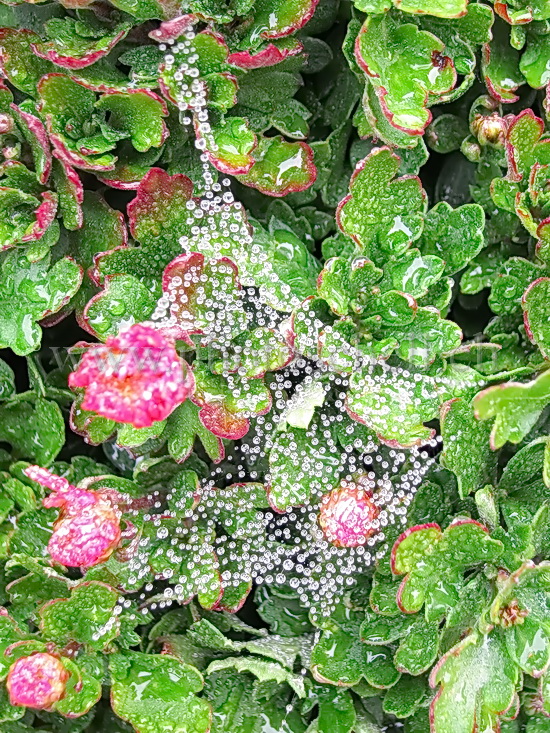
x=274, y=376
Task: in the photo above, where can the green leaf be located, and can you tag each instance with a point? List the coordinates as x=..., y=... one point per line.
x=69, y=107
x=434, y=563
x=94, y=428
x=406, y=66
x=79, y=43
x=280, y=608
x=35, y=432
x=341, y=658
x=394, y=414
x=166, y=702
x=425, y=338
x=466, y=449
x=533, y=64
x=508, y=288
x=522, y=475
x=414, y=273
x=183, y=427
x=336, y=711
x=382, y=213
x=139, y=114
x=226, y=404
x=32, y=533
x=122, y=302
x=300, y=467
x=516, y=408
x=477, y=682
x=383, y=594
x=83, y=618
x=20, y=65
x=244, y=705
x=455, y=235
x=446, y=133
x=29, y=291
x=83, y=689
x=235, y=143
x=377, y=629
x=7, y=381
x=263, y=670
x=501, y=65
x=418, y=648
x=404, y=698
x=281, y=167
x=33, y=590
x=27, y=220
x=9, y=634
x=130, y=437
x=536, y=309
x=522, y=607
x=158, y=219
x=279, y=18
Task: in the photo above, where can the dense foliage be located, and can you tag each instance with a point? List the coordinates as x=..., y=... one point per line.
x=394, y=165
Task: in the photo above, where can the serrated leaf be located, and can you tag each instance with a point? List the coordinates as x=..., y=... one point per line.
x=167, y=702
x=516, y=408
x=455, y=235
x=263, y=670
x=406, y=66
x=467, y=451
x=478, y=683
x=83, y=618
x=383, y=214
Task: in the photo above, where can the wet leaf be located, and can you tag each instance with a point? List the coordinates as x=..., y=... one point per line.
x=383, y=214
x=166, y=700
x=434, y=563
x=407, y=68
x=293, y=482
x=260, y=668
x=477, y=682
x=515, y=406
x=83, y=618
x=455, y=235
x=536, y=309
x=467, y=451
x=281, y=167
x=35, y=431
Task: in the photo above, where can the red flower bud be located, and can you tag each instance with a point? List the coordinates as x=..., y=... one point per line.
x=88, y=528
x=136, y=377
x=348, y=515
x=37, y=681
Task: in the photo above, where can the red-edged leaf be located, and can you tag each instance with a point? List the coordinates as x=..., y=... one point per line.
x=35, y=134
x=269, y=55
x=281, y=167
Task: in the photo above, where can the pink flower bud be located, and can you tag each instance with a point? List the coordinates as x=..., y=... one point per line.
x=136, y=377
x=348, y=515
x=88, y=528
x=37, y=681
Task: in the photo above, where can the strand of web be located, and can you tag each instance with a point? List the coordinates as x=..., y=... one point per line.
x=233, y=223
x=218, y=201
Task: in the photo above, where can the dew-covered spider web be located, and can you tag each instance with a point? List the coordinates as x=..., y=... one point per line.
x=335, y=492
